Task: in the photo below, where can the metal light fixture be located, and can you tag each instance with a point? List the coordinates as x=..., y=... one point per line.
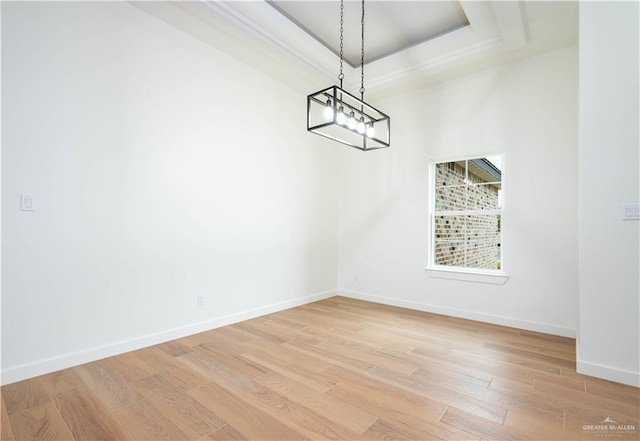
x=336, y=114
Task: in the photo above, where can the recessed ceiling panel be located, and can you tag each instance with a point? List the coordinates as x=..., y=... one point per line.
x=390, y=26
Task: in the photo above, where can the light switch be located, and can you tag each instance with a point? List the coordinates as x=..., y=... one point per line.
x=27, y=202
x=630, y=211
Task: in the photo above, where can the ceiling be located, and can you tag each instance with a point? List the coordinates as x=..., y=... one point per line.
x=390, y=27
x=408, y=44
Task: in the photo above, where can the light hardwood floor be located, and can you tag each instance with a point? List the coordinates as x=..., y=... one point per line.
x=335, y=369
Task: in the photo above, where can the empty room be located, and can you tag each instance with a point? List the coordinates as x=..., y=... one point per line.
x=313, y=220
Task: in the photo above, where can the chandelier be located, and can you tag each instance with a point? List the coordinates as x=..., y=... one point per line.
x=336, y=114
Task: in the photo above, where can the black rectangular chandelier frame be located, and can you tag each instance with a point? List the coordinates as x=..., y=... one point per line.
x=338, y=115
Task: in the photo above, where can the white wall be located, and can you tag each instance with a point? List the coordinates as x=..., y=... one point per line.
x=526, y=109
x=162, y=168
x=609, y=333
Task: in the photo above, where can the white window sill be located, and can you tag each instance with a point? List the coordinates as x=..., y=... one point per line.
x=466, y=275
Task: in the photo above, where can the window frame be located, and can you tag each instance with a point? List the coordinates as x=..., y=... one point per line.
x=481, y=275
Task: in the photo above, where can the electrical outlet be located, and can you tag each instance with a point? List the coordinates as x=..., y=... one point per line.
x=630, y=211
x=200, y=300
x=27, y=202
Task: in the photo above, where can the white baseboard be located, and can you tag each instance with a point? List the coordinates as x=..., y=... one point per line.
x=608, y=373
x=545, y=328
x=69, y=360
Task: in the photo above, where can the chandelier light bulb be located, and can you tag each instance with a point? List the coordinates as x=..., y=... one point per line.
x=328, y=111
x=341, y=118
x=371, y=131
x=352, y=121
x=361, y=126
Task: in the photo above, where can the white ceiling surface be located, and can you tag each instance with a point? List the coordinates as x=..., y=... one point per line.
x=409, y=43
x=390, y=27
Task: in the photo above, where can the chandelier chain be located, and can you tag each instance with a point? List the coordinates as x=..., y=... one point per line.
x=341, y=76
x=362, y=55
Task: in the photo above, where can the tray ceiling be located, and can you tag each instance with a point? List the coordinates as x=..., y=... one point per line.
x=408, y=44
x=390, y=27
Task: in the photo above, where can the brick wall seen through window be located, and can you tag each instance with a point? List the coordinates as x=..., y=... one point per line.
x=467, y=213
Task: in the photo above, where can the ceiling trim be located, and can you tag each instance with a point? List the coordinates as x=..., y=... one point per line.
x=257, y=34
x=263, y=21
x=492, y=25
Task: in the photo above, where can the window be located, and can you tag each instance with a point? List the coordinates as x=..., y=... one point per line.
x=466, y=215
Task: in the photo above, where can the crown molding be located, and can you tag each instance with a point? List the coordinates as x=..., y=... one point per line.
x=259, y=35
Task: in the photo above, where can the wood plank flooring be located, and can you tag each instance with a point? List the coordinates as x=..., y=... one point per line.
x=335, y=369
